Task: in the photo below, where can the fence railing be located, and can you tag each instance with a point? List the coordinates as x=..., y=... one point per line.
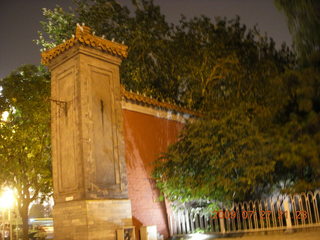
x=282, y=212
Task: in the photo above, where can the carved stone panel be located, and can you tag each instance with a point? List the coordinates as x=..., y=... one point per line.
x=88, y=147
x=65, y=130
x=103, y=142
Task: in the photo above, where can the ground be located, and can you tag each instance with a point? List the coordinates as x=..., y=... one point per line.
x=297, y=234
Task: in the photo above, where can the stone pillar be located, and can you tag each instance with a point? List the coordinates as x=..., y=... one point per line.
x=88, y=158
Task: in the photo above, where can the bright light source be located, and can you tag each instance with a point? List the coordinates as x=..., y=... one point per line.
x=5, y=116
x=198, y=236
x=7, y=199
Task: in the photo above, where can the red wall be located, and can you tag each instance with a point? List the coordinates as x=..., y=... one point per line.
x=146, y=137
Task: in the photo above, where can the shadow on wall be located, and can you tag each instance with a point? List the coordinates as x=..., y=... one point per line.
x=137, y=225
x=146, y=137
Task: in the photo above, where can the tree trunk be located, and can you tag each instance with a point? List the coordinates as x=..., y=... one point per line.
x=25, y=222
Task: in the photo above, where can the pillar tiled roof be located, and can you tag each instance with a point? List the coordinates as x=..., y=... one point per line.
x=83, y=36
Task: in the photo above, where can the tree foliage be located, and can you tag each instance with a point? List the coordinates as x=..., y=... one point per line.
x=222, y=63
x=244, y=154
x=261, y=130
x=175, y=63
x=145, y=32
x=303, y=19
x=25, y=157
x=298, y=136
x=221, y=159
x=261, y=134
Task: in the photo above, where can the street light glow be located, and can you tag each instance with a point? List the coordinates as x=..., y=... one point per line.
x=7, y=199
x=199, y=236
x=4, y=116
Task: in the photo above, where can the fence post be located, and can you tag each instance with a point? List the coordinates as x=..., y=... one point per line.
x=221, y=220
x=170, y=225
x=287, y=213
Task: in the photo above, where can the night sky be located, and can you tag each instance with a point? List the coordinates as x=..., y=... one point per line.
x=19, y=22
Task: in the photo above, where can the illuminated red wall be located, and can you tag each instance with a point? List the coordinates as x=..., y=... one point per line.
x=146, y=137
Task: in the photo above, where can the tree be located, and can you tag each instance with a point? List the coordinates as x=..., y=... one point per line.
x=234, y=75
x=235, y=70
x=222, y=63
x=218, y=67
x=217, y=159
x=146, y=33
x=40, y=210
x=173, y=63
x=244, y=153
x=299, y=164
x=37, y=211
x=303, y=19
x=297, y=132
x=25, y=156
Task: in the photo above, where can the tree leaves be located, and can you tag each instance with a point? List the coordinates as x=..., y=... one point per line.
x=177, y=63
x=303, y=19
x=25, y=155
x=212, y=157
x=261, y=129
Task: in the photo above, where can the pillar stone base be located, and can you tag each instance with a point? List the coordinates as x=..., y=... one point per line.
x=91, y=219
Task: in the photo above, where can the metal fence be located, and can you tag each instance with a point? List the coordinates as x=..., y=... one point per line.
x=291, y=211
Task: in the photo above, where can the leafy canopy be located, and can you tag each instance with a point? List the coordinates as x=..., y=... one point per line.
x=303, y=19
x=173, y=63
x=244, y=154
x=260, y=132
x=25, y=156
x=220, y=159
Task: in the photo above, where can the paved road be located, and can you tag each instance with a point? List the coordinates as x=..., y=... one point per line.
x=297, y=234
x=305, y=235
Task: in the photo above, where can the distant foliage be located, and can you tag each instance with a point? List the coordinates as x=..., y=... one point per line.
x=25, y=152
x=221, y=159
x=246, y=154
x=179, y=63
x=260, y=130
x=303, y=19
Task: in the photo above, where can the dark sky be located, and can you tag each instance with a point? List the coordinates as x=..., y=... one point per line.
x=19, y=22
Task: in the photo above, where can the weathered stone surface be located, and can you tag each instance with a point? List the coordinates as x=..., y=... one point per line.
x=87, y=126
x=91, y=219
x=89, y=173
